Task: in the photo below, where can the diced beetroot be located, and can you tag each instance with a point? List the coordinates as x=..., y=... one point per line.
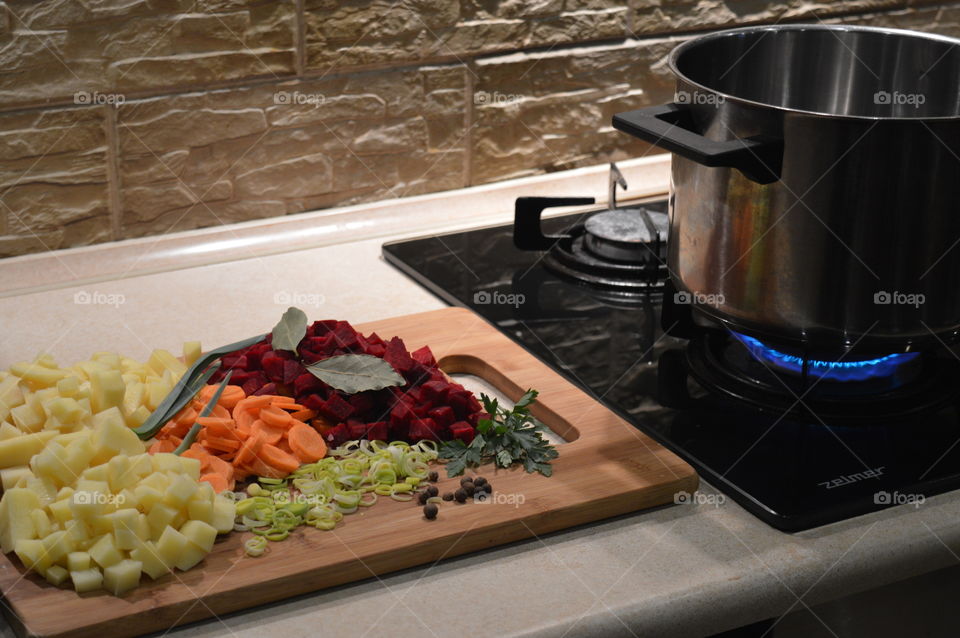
x=239, y=377
x=254, y=383
x=323, y=327
x=398, y=431
x=234, y=361
x=337, y=435
x=306, y=383
x=291, y=370
x=435, y=391
x=397, y=355
x=442, y=415
x=312, y=401
x=424, y=356
x=376, y=350
x=401, y=413
x=377, y=431
x=273, y=366
x=362, y=402
x=374, y=339
x=357, y=430
x=345, y=336
x=268, y=388
x=424, y=429
x=463, y=431
x=417, y=374
x=336, y=408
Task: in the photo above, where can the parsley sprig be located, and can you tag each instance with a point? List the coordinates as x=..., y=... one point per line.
x=507, y=437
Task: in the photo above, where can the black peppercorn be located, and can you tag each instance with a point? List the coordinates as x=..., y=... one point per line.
x=479, y=481
x=422, y=498
x=487, y=488
x=430, y=511
x=448, y=496
x=469, y=488
x=460, y=495
x=432, y=477
x=432, y=490
x=466, y=479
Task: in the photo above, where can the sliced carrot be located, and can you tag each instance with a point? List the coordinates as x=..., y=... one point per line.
x=222, y=468
x=321, y=425
x=279, y=399
x=249, y=448
x=197, y=452
x=306, y=443
x=275, y=417
x=162, y=446
x=275, y=457
x=283, y=445
x=218, y=481
x=303, y=415
x=271, y=435
x=224, y=445
x=254, y=402
x=260, y=468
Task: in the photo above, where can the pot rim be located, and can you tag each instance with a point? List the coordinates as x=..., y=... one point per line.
x=775, y=28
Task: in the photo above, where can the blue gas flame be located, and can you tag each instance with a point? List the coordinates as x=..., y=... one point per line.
x=859, y=370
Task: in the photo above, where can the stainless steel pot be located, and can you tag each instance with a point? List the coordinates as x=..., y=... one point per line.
x=815, y=193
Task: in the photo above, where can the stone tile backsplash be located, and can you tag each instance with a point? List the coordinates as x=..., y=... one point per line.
x=144, y=117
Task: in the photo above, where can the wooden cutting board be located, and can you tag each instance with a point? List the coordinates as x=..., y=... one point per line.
x=606, y=468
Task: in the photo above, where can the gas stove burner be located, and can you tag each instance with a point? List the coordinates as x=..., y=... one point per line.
x=845, y=369
x=593, y=253
x=865, y=390
x=632, y=235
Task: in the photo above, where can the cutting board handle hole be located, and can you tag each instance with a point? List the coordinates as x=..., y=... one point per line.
x=471, y=365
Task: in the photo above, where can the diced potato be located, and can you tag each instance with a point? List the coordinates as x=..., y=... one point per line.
x=58, y=545
x=138, y=417
x=37, y=376
x=61, y=511
x=159, y=518
x=120, y=474
x=10, y=392
x=106, y=390
x=141, y=465
x=97, y=473
x=68, y=386
x=104, y=551
x=143, y=528
x=180, y=490
x=157, y=390
x=110, y=432
x=125, y=524
x=224, y=514
x=8, y=430
x=161, y=361
x=152, y=563
x=27, y=419
x=157, y=480
x=10, y=476
x=200, y=510
x=191, y=467
x=191, y=352
x=199, y=533
x=20, y=450
x=87, y=580
x=41, y=523
x=171, y=546
x=122, y=577
x=33, y=554
x=15, y=521
x=78, y=561
x=78, y=531
x=109, y=359
x=56, y=575
x=66, y=409
x=147, y=496
x=46, y=360
x=167, y=462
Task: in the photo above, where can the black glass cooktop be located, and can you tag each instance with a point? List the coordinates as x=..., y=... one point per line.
x=794, y=473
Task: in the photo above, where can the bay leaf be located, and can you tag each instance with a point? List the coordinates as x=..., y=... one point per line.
x=352, y=373
x=290, y=330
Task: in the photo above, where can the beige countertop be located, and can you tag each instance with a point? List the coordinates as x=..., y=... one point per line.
x=682, y=570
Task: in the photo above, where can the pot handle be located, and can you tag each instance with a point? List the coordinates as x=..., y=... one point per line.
x=669, y=126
